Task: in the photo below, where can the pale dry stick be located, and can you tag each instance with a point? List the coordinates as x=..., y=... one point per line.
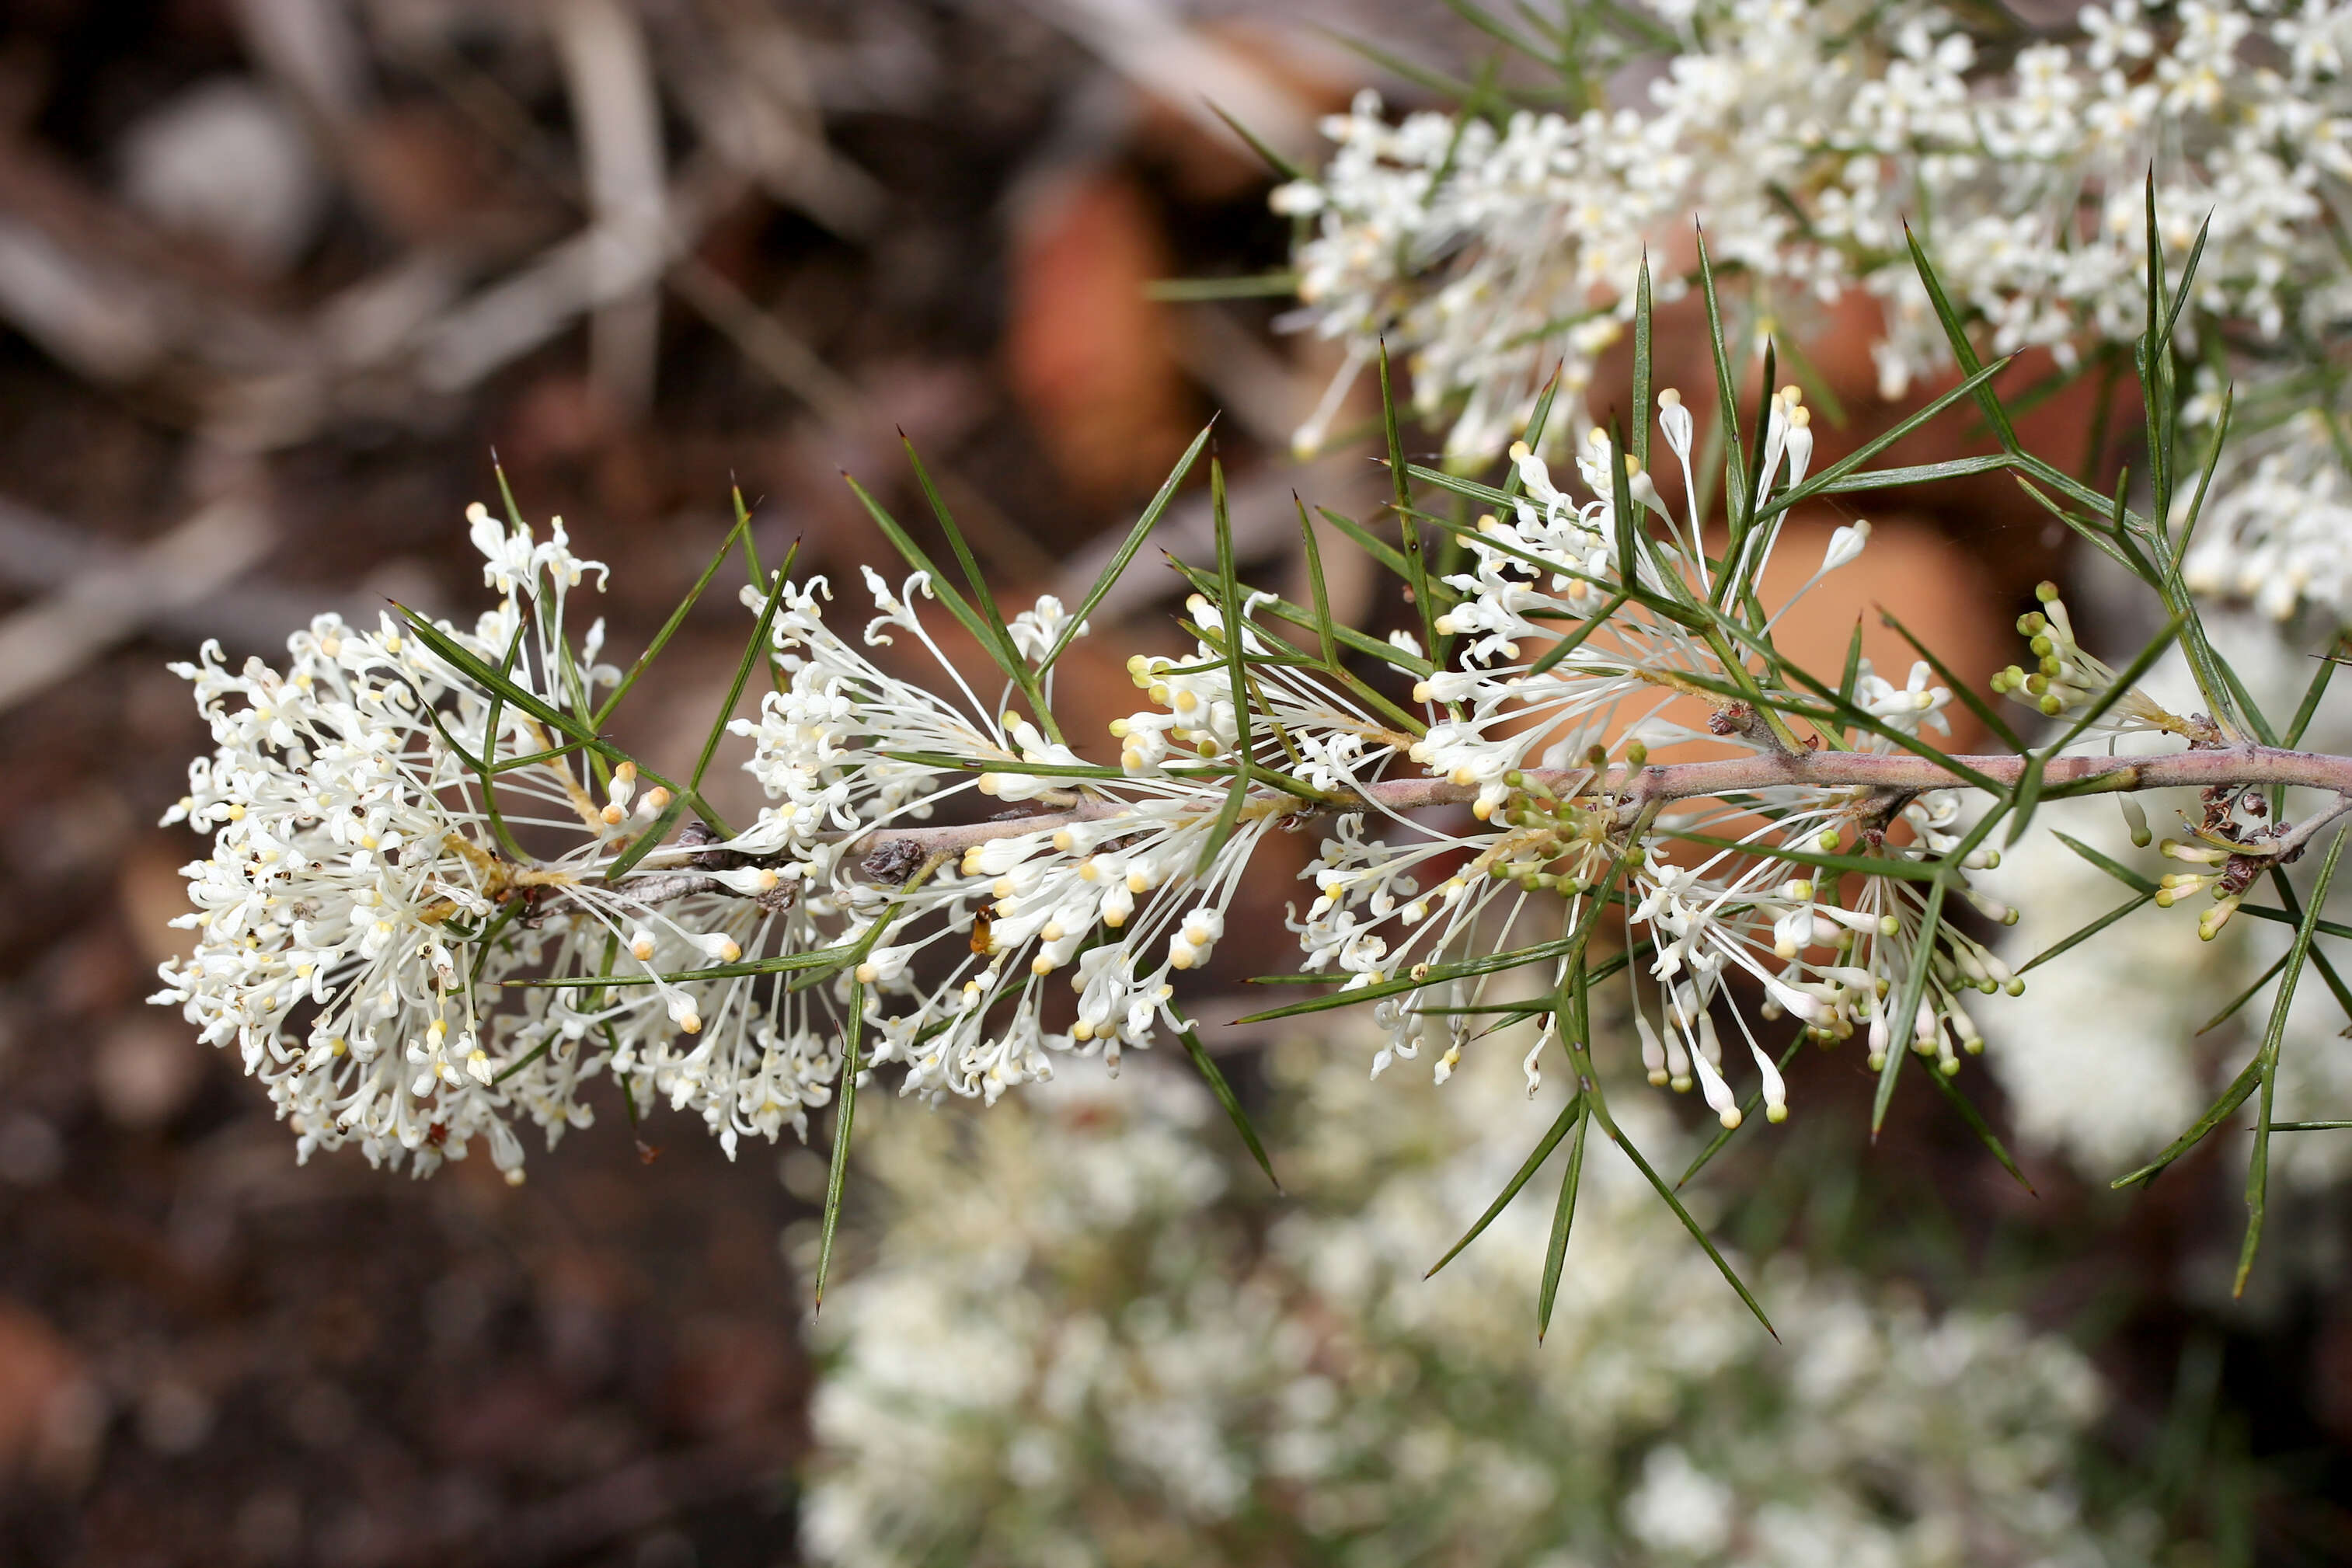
x=524, y=309
x=775, y=347
x=314, y=50
x=41, y=555
x=1192, y=73
x=616, y=115
x=47, y=641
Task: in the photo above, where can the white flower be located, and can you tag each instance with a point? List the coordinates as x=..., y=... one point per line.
x=343, y=915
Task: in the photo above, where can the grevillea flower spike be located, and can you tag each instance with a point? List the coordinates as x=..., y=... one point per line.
x=440, y=903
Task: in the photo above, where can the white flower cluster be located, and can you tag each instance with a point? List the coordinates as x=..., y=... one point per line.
x=1549, y=574
x=1803, y=137
x=409, y=825
x=1112, y=892
x=1077, y=1343
x=348, y=867
x=367, y=892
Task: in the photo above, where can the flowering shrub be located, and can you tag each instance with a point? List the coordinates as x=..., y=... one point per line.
x=1076, y=1343
x=439, y=903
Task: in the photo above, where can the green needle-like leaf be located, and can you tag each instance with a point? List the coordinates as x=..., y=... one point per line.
x=2232, y=700
x=1203, y=290
x=1631, y=535
x=657, y=832
x=836, y=1180
x=2316, y=689
x=1567, y=645
x=507, y=909
x=1726, y=392
x=1118, y=564
x=753, y=654
x=1851, y=681
x=1355, y=641
x=2215, y=1114
x=1978, y=1125
x=1495, y=28
x=1755, y=474
x=1272, y=159
x=2319, y=960
x=1326, y=643
x=1909, y=474
x=2284, y=917
x=1400, y=483
x=1641, y=370
x=1963, y=352
x=1563, y=1215
x=970, y=619
x=2258, y=1169
x=523, y=1061
x=1570, y=1114
x=532, y=758
x=2121, y=873
x=2248, y=994
x=996, y=634
x=1905, y=1019
x=2204, y=479
x=1843, y=477
x=490, y=727
x=1538, y=421
x=2086, y=933
x=1437, y=973
x=1229, y=815
x=1225, y=1097
x=459, y=657
x=1371, y=543
x=676, y=617
x=1675, y=1203
x=2188, y=276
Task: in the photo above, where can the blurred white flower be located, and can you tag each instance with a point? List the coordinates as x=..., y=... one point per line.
x=1068, y=1346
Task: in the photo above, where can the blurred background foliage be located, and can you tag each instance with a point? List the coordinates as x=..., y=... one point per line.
x=278, y=278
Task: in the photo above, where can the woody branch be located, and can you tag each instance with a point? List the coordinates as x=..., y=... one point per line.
x=1635, y=787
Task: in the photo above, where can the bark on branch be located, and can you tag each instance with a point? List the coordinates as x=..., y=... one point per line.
x=1660, y=783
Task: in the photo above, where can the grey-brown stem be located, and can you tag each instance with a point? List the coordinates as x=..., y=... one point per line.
x=1634, y=788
